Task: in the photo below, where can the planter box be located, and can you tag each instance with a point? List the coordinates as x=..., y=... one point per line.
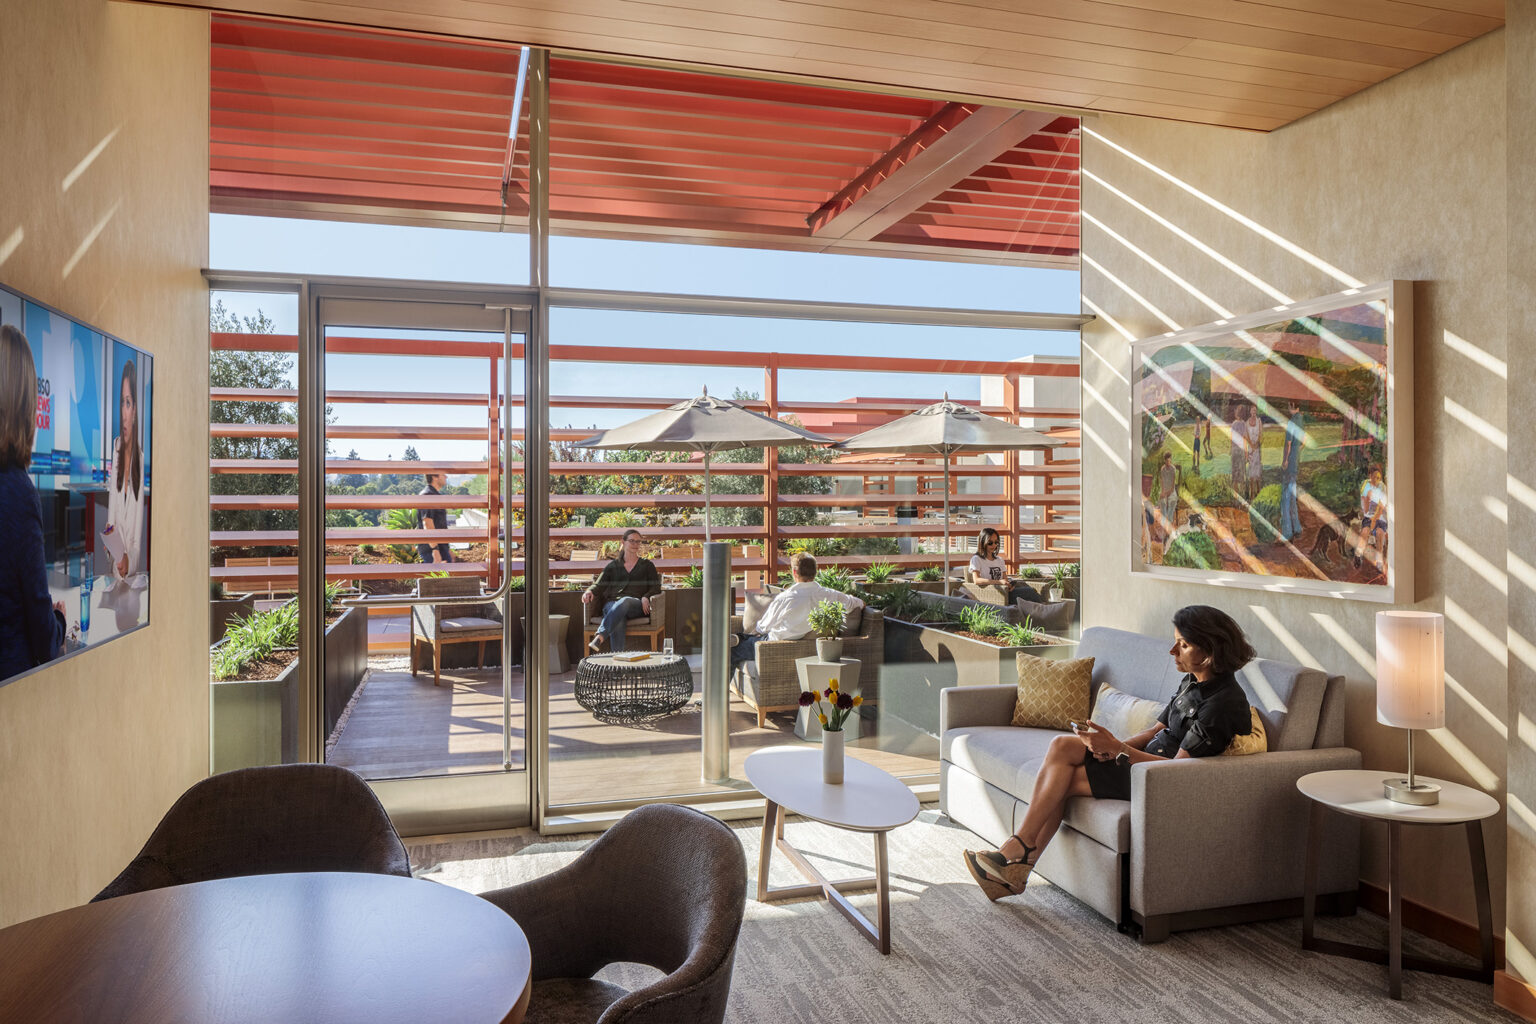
x=346, y=662
x=685, y=618
x=256, y=722
x=220, y=613
x=922, y=660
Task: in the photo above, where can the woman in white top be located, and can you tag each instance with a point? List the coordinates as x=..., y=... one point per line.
x=125, y=503
x=987, y=564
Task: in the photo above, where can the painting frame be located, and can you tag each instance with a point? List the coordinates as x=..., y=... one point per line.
x=1319, y=377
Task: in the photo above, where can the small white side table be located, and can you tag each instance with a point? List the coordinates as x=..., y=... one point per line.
x=814, y=675
x=1359, y=793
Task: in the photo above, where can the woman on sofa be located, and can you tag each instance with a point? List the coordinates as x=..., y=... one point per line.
x=1208, y=710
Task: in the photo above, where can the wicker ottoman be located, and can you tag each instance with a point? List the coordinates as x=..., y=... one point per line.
x=631, y=691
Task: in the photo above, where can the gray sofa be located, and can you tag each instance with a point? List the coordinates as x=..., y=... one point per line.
x=1201, y=842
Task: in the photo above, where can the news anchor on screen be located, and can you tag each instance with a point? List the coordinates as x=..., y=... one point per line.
x=125, y=503
x=31, y=623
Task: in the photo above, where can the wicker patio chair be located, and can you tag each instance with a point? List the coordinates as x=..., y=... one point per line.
x=437, y=625
x=770, y=682
x=651, y=626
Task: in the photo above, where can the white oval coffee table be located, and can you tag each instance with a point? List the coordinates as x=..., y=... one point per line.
x=869, y=800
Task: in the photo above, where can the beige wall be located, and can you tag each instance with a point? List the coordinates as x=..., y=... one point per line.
x=1405, y=180
x=93, y=750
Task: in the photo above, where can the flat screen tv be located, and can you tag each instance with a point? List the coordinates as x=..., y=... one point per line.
x=91, y=465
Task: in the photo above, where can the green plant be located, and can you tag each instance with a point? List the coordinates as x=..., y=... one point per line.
x=216, y=590
x=836, y=578
x=619, y=517
x=694, y=577
x=437, y=574
x=1202, y=491
x=401, y=519
x=1338, y=489
x=1021, y=634
x=817, y=546
x=980, y=619
x=1193, y=550
x=928, y=574
x=874, y=546
x=827, y=618
x=255, y=637
x=786, y=579
x=517, y=584
x=1264, y=514
x=880, y=572
x=838, y=705
x=1060, y=574
x=333, y=591
x=1031, y=572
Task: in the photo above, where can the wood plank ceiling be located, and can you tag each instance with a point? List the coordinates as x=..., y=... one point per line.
x=321, y=121
x=1255, y=64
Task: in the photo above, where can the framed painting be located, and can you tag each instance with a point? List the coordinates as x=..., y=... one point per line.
x=1274, y=450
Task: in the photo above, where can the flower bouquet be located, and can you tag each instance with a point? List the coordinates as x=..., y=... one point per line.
x=838, y=705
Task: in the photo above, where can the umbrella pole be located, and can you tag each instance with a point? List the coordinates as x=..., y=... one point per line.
x=706, y=498
x=946, y=524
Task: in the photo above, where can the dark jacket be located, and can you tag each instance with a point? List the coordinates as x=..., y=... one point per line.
x=31, y=632
x=615, y=583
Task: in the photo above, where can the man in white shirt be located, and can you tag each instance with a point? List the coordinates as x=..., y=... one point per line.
x=789, y=616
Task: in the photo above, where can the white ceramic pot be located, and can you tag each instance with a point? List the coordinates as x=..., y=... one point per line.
x=832, y=757
x=829, y=648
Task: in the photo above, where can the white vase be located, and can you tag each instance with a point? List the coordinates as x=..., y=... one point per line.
x=832, y=757
x=829, y=648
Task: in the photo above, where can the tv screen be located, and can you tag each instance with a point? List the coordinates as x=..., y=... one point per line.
x=91, y=468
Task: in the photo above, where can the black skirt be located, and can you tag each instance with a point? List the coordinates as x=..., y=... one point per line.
x=1108, y=780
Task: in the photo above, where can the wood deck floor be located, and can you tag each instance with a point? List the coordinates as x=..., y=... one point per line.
x=401, y=726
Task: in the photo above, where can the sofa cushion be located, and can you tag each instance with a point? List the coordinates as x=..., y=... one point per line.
x=1252, y=742
x=469, y=622
x=1051, y=616
x=1123, y=715
x=853, y=623
x=756, y=602
x=1289, y=697
x=1010, y=758
x=1053, y=693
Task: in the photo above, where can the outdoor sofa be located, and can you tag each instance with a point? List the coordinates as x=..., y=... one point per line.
x=1202, y=842
x=769, y=682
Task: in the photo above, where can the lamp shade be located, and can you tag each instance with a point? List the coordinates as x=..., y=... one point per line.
x=1410, y=669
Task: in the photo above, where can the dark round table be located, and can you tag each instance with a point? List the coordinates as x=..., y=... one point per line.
x=631, y=691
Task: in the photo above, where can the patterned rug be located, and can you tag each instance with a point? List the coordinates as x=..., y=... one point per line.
x=955, y=957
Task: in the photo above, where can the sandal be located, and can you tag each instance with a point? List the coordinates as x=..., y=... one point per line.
x=1013, y=873
x=995, y=890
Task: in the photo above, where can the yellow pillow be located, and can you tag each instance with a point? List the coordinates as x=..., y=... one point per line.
x=1253, y=743
x=1123, y=715
x=1052, y=692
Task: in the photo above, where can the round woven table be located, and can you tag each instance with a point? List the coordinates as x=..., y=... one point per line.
x=629, y=691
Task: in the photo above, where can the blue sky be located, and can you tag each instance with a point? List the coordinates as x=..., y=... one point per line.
x=371, y=250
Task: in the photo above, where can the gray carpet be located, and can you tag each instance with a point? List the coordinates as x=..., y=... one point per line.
x=958, y=958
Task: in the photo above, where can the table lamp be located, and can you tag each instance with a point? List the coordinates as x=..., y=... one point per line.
x=1410, y=688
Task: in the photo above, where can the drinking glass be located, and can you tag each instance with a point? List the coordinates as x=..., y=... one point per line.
x=87, y=583
x=666, y=645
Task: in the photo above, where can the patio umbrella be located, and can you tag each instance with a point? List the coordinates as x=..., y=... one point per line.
x=707, y=425
x=946, y=428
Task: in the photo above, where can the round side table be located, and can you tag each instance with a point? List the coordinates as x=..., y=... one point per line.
x=631, y=691
x=1359, y=793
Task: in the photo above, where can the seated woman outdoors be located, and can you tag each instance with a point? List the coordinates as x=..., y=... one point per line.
x=1208, y=710
x=987, y=566
x=623, y=591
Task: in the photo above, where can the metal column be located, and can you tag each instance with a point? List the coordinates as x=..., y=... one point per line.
x=716, y=738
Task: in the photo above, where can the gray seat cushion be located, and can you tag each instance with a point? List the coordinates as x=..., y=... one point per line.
x=1010, y=758
x=571, y=1000
x=469, y=622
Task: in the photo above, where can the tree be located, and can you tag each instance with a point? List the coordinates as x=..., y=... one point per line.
x=229, y=368
x=790, y=455
x=410, y=454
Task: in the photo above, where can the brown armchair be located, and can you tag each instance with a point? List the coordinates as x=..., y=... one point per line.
x=650, y=626
x=769, y=682
x=436, y=625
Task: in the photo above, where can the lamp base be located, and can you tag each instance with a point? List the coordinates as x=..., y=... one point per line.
x=1422, y=794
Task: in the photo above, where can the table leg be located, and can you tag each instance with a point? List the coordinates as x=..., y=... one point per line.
x=883, y=894
x=1309, y=890
x=1480, y=890
x=771, y=818
x=1395, y=910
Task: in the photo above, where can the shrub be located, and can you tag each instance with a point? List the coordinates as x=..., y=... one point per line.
x=786, y=579
x=1031, y=572
x=827, y=618
x=1337, y=488
x=880, y=572
x=1264, y=514
x=401, y=519
x=1215, y=491
x=694, y=577
x=928, y=574
x=1020, y=634
x=874, y=546
x=980, y=619
x=1193, y=551
x=619, y=517
x=817, y=546
x=250, y=639
x=900, y=601
x=517, y=584
x=215, y=590
x=837, y=578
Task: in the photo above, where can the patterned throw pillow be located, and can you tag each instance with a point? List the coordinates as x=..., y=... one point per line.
x=1052, y=692
x=1253, y=743
x=1123, y=715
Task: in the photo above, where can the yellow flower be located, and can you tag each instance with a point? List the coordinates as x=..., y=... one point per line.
x=832, y=685
x=823, y=719
x=857, y=700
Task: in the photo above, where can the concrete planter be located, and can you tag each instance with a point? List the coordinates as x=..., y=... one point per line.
x=221, y=613
x=346, y=662
x=685, y=617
